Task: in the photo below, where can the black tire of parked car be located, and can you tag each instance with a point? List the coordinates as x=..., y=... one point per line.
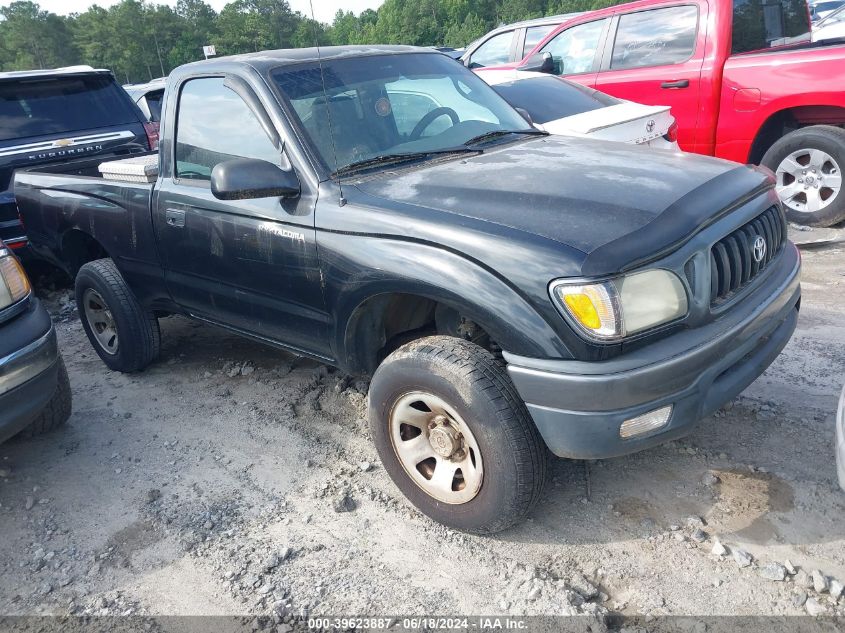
x=827, y=138
x=476, y=385
x=58, y=409
x=137, y=329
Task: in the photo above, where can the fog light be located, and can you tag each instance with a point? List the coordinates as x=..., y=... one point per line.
x=646, y=422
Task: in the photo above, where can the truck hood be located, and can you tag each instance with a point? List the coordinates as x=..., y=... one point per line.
x=590, y=195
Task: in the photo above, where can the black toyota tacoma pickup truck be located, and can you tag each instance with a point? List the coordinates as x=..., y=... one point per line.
x=381, y=209
x=51, y=116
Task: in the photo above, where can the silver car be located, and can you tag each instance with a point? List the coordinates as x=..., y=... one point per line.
x=149, y=97
x=510, y=43
x=840, y=440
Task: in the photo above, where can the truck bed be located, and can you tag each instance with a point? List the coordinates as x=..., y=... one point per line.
x=63, y=202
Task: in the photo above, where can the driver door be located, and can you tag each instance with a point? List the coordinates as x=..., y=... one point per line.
x=250, y=265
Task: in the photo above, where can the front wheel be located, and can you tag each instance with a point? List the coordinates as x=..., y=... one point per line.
x=808, y=167
x=454, y=435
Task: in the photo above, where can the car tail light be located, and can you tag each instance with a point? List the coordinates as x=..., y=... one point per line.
x=18, y=242
x=672, y=134
x=152, y=130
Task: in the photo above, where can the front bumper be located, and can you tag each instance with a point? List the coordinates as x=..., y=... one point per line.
x=29, y=371
x=579, y=406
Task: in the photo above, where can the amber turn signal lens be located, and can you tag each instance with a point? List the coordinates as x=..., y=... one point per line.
x=582, y=308
x=14, y=284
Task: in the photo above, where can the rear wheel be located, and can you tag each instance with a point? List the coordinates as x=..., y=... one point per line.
x=808, y=166
x=124, y=334
x=454, y=435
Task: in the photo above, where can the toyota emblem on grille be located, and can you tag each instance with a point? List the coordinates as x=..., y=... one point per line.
x=759, y=249
x=649, y=127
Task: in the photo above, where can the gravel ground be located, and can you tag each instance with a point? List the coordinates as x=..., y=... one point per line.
x=230, y=478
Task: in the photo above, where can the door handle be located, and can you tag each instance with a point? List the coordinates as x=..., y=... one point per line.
x=680, y=83
x=175, y=218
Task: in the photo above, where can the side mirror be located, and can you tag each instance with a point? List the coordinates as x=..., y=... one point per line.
x=539, y=63
x=524, y=114
x=244, y=178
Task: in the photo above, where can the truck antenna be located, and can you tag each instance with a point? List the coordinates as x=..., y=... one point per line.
x=342, y=200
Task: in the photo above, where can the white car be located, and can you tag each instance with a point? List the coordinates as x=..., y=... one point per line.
x=559, y=106
x=830, y=28
x=823, y=9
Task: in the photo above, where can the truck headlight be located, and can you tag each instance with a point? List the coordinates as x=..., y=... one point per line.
x=14, y=284
x=612, y=309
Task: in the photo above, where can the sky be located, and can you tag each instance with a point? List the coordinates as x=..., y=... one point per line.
x=324, y=10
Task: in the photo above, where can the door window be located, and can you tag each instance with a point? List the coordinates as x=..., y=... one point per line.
x=215, y=125
x=154, y=102
x=534, y=35
x=494, y=52
x=574, y=50
x=655, y=38
x=760, y=24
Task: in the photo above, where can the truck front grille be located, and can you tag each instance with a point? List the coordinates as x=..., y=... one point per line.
x=737, y=259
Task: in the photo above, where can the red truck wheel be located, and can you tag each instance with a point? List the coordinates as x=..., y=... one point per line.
x=808, y=166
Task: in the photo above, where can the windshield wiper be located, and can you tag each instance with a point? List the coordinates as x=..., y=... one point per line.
x=395, y=159
x=497, y=133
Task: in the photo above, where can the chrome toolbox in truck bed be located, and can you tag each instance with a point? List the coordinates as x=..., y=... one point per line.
x=135, y=169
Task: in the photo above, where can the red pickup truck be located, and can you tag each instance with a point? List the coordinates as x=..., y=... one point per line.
x=742, y=77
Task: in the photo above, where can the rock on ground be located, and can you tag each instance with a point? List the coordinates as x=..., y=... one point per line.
x=773, y=571
x=819, y=581
x=742, y=558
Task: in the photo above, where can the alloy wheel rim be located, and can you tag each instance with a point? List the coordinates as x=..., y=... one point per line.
x=436, y=448
x=101, y=321
x=808, y=180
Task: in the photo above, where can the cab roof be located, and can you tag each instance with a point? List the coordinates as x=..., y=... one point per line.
x=265, y=60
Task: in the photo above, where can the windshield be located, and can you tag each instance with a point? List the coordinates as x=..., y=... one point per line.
x=385, y=105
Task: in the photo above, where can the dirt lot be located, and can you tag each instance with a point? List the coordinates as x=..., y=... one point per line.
x=215, y=482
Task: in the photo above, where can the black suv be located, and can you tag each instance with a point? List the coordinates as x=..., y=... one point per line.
x=49, y=116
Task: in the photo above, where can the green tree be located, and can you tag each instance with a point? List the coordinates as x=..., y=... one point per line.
x=32, y=38
x=197, y=28
x=255, y=25
x=142, y=39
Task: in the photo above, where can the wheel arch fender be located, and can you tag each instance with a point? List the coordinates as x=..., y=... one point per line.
x=445, y=278
x=78, y=247
x=795, y=111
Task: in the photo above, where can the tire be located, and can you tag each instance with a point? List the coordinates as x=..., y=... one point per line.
x=467, y=379
x=136, y=339
x=798, y=145
x=58, y=409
